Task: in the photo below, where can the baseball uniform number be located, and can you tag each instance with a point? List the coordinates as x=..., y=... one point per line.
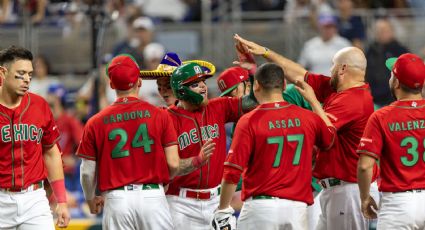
x=413, y=150
x=299, y=138
x=145, y=142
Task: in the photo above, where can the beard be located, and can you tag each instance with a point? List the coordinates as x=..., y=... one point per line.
x=334, y=81
x=392, y=90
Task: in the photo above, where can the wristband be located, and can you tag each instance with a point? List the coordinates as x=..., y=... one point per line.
x=58, y=187
x=197, y=161
x=266, y=52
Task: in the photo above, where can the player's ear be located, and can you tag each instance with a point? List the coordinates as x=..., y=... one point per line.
x=139, y=82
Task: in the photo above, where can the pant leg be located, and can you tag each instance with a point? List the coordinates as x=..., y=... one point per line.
x=34, y=211
x=187, y=213
x=153, y=209
x=341, y=209
x=274, y=214
x=313, y=213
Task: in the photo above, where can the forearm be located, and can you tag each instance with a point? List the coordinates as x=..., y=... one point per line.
x=293, y=71
x=88, y=178
x=317, y=109
x=186, y=166
x=227, y=191
x=364, y=178
x=53, y=162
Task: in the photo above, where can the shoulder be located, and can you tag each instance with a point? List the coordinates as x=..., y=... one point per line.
x=35, y=98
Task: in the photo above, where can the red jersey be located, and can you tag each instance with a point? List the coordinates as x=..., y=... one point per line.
x=348, y=111
x=25, y=131
x=127, y=141
x=395, y=134
x=71, y=131
x=273, y=146
x=193, y=129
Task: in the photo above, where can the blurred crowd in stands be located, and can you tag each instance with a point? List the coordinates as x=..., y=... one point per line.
x=135, y=22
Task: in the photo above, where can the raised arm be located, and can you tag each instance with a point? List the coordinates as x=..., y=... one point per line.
x=293, y=71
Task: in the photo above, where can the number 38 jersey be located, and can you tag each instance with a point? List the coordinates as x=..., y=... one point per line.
x=127, y=141
x=273, y=147
x=395, y=134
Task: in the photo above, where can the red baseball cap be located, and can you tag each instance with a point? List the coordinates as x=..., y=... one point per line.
x=230, y=78
x=409, y=69
x=123, y=72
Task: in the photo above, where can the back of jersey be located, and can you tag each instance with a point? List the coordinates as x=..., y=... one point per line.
x=275, y=142
x=402, y=142
x=128, y=141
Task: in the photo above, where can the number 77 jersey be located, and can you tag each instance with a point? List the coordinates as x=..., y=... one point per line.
x=395, y=134
x=127, y=141
x=273, y=147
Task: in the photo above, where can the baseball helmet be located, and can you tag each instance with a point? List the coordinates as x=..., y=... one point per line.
x=182, y=77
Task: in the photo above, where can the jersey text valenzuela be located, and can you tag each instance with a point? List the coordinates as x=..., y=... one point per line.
x=284, y=124
x=21, y=132
x=406, y=125
x=120, y=117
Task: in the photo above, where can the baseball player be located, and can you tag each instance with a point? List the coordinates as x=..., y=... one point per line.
x=194, y=197
x=163, y=72
x=273, y=147
x=395, y=135
x=234, y=82
x=28, y=149
x=348, y=103
x=132, y=148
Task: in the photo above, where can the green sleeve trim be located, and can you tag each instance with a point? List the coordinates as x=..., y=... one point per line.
x=374, y=155
x=233, y=165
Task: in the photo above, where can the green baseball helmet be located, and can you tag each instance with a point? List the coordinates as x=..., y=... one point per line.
x=182, y=77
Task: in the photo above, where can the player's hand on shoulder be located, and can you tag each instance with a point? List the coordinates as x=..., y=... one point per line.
x=369, y=208
x=96, y=204
x=223, y=219
x=63, y=215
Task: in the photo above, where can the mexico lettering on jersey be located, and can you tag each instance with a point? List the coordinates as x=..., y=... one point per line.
x=348, y=111
x=24, y=132
x=395, y=135
x=193, y=129
x=273, y=147
x=127, y=141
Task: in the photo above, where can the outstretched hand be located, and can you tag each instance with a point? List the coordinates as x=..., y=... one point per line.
x=251, y=47
x=205, y=154
x=245, y=58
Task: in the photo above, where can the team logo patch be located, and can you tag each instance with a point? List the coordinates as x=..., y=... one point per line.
x=197, y=69
x=222, y=85
x=414, y=104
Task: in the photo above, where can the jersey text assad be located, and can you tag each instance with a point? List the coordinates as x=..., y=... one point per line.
x=284, y=124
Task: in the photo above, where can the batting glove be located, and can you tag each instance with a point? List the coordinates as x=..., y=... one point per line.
x=224, y=220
